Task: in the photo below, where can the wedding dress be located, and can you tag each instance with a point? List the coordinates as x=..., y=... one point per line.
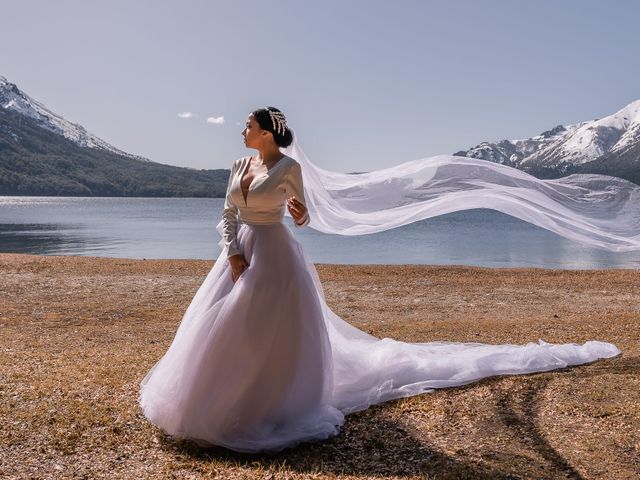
x=263, y=363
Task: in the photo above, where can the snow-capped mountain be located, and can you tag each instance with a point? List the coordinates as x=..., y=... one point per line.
x=12, y=98
x=569, y=148
x=592, y=140
x=513, y=152
x=41, y=153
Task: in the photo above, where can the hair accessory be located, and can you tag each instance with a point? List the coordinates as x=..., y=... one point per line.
x=278, y=121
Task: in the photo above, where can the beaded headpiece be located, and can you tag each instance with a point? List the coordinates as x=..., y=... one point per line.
x=278, y=121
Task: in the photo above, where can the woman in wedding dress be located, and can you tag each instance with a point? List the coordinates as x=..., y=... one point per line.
x=259, y=361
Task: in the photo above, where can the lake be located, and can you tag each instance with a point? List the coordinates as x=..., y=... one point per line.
x=185, y=228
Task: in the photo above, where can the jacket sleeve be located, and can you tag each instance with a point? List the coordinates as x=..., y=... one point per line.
x=230, y=218
x=295, y=187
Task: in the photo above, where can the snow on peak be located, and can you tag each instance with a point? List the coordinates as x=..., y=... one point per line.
x=12, y=98
x=575, y=143
x=608, y=134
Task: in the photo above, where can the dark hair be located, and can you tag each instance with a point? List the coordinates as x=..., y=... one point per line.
x=263, y=118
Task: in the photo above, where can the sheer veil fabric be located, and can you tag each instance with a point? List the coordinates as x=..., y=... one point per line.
x=263, y=364
x=595, y=210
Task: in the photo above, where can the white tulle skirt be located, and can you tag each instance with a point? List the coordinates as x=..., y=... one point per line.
x=264, y=364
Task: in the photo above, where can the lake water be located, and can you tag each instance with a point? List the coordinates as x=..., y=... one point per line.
x=185, y=228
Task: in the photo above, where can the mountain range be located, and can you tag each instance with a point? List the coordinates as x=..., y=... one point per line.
x=609, y=146
x=41, y=153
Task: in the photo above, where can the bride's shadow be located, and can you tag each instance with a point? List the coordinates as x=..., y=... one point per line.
x=371, y=443
x=386, y=449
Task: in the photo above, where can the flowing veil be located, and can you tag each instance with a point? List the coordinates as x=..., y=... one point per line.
x=595, y=210
x=358, y=369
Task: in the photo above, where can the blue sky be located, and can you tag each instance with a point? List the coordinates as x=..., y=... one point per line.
x=365, y=84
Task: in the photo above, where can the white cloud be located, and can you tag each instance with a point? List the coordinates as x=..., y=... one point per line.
x=216, y=120
x=186, y=115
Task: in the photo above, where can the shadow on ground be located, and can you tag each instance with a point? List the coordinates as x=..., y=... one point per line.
x=370, y=443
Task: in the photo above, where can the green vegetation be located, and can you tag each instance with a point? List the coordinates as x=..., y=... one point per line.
x=35, y=161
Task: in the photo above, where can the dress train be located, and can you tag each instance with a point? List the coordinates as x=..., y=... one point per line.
x=264, y=364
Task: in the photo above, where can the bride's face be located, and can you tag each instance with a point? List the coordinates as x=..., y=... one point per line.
x=252, y=133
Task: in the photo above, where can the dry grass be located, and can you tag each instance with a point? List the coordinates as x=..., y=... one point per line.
x=78, y=334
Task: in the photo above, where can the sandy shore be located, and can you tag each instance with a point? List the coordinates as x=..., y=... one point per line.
x=77, y=334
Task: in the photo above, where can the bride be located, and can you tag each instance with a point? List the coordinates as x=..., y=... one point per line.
x=259, y=361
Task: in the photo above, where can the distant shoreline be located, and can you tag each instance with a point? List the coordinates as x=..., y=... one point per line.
x=323, y=265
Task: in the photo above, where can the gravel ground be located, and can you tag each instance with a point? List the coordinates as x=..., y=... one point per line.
x=77, y=334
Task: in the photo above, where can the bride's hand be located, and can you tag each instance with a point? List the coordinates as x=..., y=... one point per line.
x=238, y=265
x=296, y=209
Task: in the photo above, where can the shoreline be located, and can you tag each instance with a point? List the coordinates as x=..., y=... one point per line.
x=329, y=265
x=78, y=334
